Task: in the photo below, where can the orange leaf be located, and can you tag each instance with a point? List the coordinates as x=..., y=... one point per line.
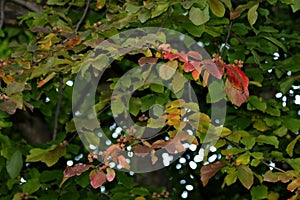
x=237, y=97
x=147, y=60
x=208, y=171
x=97, y=178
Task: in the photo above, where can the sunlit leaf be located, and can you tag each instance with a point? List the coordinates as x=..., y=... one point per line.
x=245, y=176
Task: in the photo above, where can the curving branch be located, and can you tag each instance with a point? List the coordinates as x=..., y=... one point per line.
x=29, y=5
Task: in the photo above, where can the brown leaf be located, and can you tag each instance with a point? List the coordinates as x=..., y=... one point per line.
x=97, y=178
x=294, y=185
x=141, y=150
x=236, y=96
x=76, y=170
x=208, y=171
x=147, y=60
x=112, y=151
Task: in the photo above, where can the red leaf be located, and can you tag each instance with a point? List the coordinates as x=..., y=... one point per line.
x=208, y=171
x=237, y=77
x=76, y=170
x=97, y=178
x=188, y=67
x=147, y=60
x=237, y=97
x=195, y=55
x=123, y=162
x=212, y=68
x=170, y=56
x=110, y=174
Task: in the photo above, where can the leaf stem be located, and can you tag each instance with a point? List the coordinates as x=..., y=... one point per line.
x=83, y=16
x=60, y=91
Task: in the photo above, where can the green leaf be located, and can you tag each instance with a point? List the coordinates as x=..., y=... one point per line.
x=245, y=176
x=167, y=70
x=132, y=8
x=259, y=192
x=272, y=140
x=14, y=87
x=117, y=106
x=292, y=124
x=31, y=186
x=135, y=106
x=14, y=165
x=144, y=15
x=217, y=7
x=198, y=16
x=243, y=159
x=57, y=2
x=160, y=8
x=178, y=82
x=230, y=178
x=155, y=123
x=296, y=6
x=252, y=14
x=216, y=92
x=248, y=141
x=140, y=191
x=286, y=84
x=281, y=131
x=291, y=145
x=48, y=156
x=258, y=103
x=126, y=180
x=276, y=42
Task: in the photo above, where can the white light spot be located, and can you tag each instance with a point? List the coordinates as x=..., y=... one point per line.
x=284, y=98
x=115, y=135
x=23, y=180
x=166, y=159
x=190, y=132
x=193, y=147
x=102, y=188
x=298, y=112
x=193, y=165
x=189, y=187
x=276, y=55
x=112, y=127
x=198, y=158
x=284, y=104
x=270, y=70
x=131, y=173
x=184, y=194
x=70, y=163
x=278, y=95
x=212, y=158
x=108, y=142
x=272, y=164
x=200, y=44
x=297, y=99
x=181, y=37
x=130, y=154
x=178, y=166
x=167, y=138
x=77, y=158
x=47, y=99
x=182, y=181
x=186, y=145
x=128, y=148
x=77, y=113
x=289, y=73
x=70, y=83
x=92, y=147
x=112, y=164
x=182, y=160
x=212, y=149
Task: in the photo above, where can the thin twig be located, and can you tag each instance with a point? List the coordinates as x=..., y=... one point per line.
x=83, y=15
x=2, y=13
x=278, y=169
x=226, y=40
x=29, y=5
x=60, y=91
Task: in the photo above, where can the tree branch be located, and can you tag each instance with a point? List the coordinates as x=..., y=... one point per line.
x=29, y=5
x=2, y=4
x=83, y=15
x=268, y=165
x=226, y=40
x=60, y=91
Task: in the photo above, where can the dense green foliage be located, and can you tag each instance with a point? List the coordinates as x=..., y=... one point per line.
x=257, y=155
